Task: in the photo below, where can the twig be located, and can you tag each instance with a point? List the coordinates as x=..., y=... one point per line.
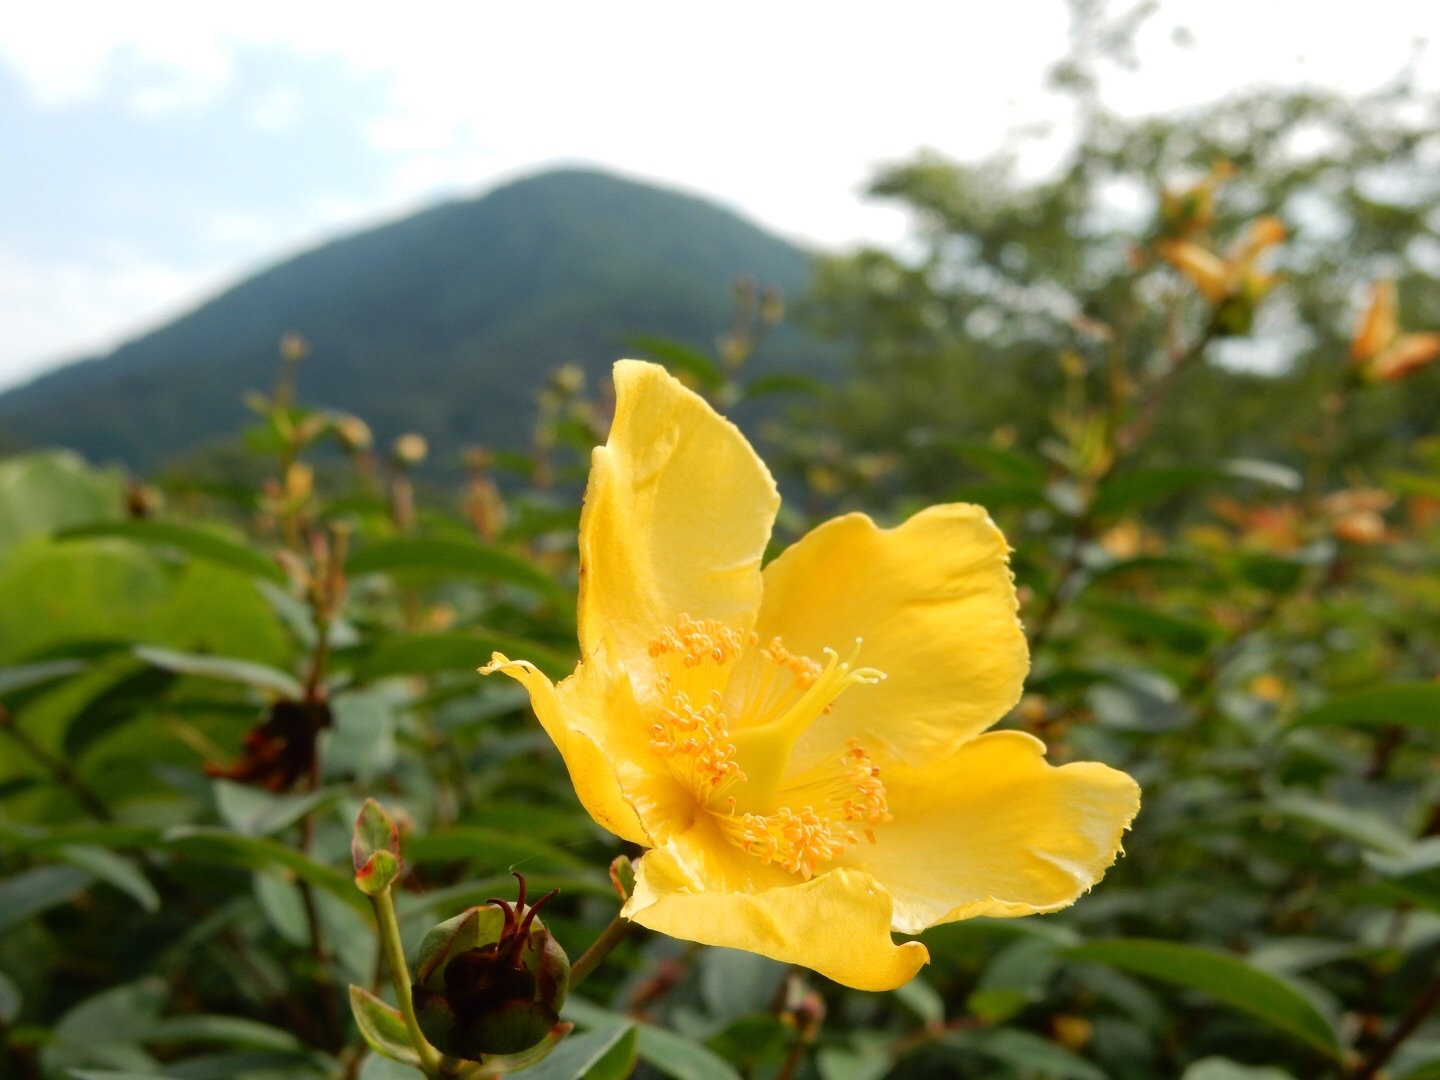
x=1420, y=1008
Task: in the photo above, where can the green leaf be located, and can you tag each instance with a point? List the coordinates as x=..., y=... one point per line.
x=431, y=557
x=43, y=492
x=113, y=870
x=492, y=849
x=1407, y=704
x=382, y=1027
x=10, y=1000
x=1364, y=827
x=261, y=853
x=1219, y=1068
x=682, y=359
x=33, y=891
x=1142, y=486
x=767, y=385
x=1030, y=1054
x=1227, y=978
x=224, y=668
x=674, y=1055
x=430, y=654
x=922, y=999
x=1006, y=464
x=228, y=1030
x=114, y=703
x=604, y=1054
x=1127, y=490
x=24, y=676
x=252, y=811
x=1272, y=573
x=197, y=543
x=1146, y=624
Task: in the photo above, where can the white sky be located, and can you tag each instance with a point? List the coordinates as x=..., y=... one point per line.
x=155, y=152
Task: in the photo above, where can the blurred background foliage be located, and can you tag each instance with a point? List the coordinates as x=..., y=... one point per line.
x=1154, y=367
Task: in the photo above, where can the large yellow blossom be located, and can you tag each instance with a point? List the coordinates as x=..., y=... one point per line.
x=801, y=748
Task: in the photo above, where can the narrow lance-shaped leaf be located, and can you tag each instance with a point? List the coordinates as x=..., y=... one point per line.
x=1227, y=978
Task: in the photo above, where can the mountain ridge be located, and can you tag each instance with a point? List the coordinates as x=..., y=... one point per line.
x=445, y=321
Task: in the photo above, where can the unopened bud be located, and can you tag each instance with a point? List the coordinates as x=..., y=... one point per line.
x=410, y=450
x=491, y=980
x=354, y=434
x=293, y=348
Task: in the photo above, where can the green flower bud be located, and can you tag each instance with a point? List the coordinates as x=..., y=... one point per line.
x=491, y=980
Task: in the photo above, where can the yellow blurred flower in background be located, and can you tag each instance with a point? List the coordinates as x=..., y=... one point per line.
x=801, y=748
x=1379, y=349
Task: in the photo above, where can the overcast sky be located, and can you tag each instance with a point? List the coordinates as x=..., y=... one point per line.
x=152, y=153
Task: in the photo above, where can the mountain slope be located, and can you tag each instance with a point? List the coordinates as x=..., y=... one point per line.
x=444, y=323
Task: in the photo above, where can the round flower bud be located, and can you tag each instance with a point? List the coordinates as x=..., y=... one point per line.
x=492, y=980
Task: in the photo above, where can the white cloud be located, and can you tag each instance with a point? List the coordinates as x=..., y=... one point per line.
x=56, y=310
x=784, y=110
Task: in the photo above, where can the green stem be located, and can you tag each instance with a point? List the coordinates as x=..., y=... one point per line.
x=400, y=978
x=610, y=937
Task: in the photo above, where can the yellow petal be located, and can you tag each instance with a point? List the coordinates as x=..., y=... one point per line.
x=1378, y=326
x=677, y=515
x=837, y=924
x=933, y=600
x=994, y=829
x=593, y=721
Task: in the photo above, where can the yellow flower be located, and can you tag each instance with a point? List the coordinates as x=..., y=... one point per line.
x=1379, y=349
x=801, y=748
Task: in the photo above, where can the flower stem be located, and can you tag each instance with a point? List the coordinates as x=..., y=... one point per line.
x=610, y=937
x=400, y=978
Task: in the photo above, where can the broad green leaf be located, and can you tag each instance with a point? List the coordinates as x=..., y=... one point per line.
x=24, y=676
x=1149, y=625
x=44, y=492
x=1030, y=1054
x=432, y=557
x=430, y=654
x=114, y=870
x=922, y=999
x=1142, y=486
x=603, y=1054
x=382, y=1027
x=198, y=543
x=993, y=459
x=253, y=811
x=493, y=848
x=117, y=698
x=261, y=853
x=1227, y=978
x=32, y=891
x=1131, y=489
x=837, y=1064
x=681, y=359
x=1219, y=1068
x=229, y=1030
x=1271, y=572
x=282, y=905
x=732, y=983
x=1406, y=704
x=360, y=742
x=1364, y=827
x=10, y=1001
x=1014, y=979
x=224, y=668
x=671, y=1054
x=768, y=385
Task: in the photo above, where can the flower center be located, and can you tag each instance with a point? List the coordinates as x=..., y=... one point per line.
x=728, y=714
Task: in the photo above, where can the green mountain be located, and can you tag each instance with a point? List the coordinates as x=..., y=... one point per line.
x=445, y=323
